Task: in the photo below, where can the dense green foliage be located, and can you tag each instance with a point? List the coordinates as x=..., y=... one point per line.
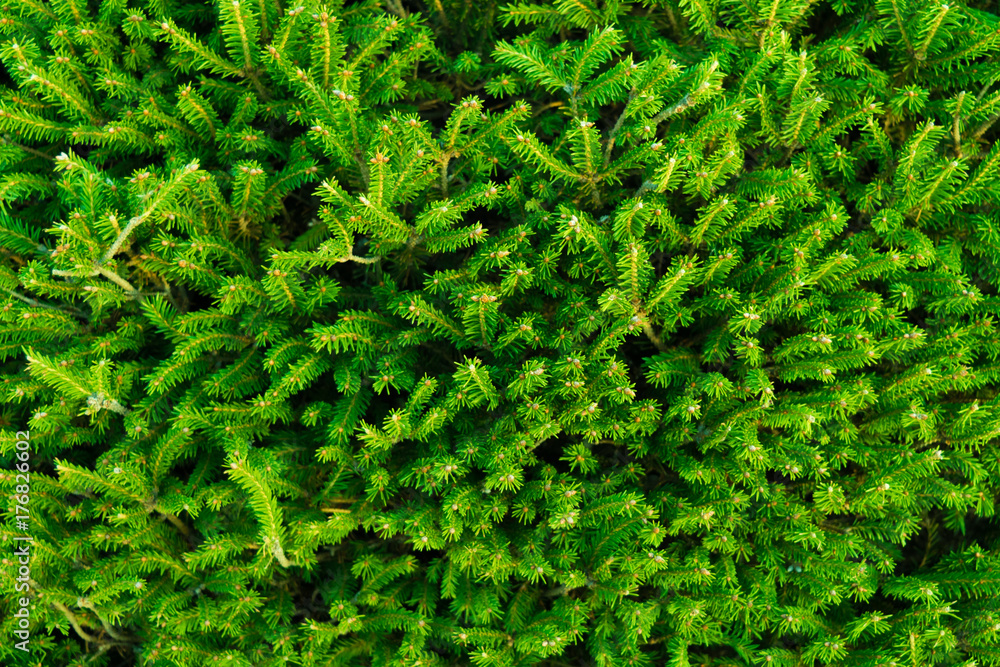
x=582, y=333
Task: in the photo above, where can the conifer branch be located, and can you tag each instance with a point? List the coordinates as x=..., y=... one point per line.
x=158, y=200
x=921, y=53
x=795, y=374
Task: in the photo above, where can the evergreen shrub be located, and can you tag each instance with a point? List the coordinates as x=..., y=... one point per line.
x=579, y=333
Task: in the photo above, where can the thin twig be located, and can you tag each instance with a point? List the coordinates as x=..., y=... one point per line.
x=673, y=23
x=613, y=136
x=39, y=304
x=87, y=604
x=444, y=16
x=987, y=124
x=680, y=106
x=445, y=159
x=87, y=637
x=28, y=149
x=650, y=334
x=360, y=260
x=956, y=136
x=899, y=23
x=396, y=7
x=551, y=105
x=110, y=275
x=121, y=282
x=686, y=101
x=178, y=524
